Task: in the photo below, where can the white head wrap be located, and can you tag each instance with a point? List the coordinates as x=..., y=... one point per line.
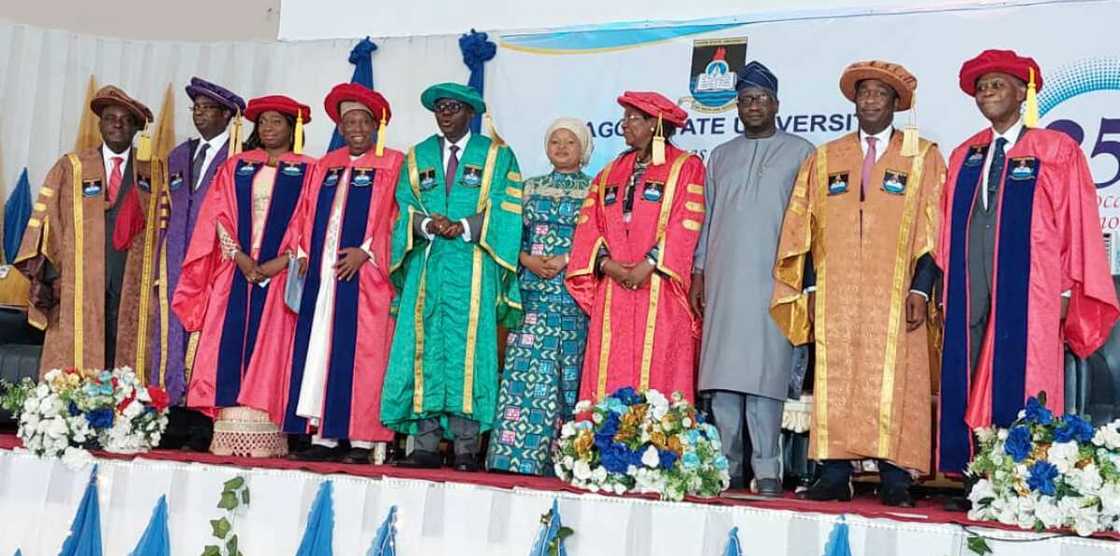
x=583, y=135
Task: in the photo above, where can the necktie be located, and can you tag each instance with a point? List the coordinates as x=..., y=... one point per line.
x=115, y=177
x=196, y=166
x=452, y=167
x=868, y=167
x=995, y=172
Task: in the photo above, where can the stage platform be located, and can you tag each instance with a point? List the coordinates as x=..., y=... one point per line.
x=444, y=512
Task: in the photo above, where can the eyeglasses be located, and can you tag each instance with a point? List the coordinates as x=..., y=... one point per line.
x=993, y=85
x=202, y=108
x=449, y=107
x=761, y=98
x=632, y=118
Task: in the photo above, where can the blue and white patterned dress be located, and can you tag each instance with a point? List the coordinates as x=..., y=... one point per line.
x=544, y=356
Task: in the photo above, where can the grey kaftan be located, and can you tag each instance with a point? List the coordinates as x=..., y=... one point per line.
x=749, y=185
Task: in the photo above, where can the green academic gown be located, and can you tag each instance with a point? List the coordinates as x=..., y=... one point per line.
x=452, y=294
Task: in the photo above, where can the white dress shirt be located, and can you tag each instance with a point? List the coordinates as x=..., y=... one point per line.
x=215, y=144
x=107, y=155
x=462, y=144
x=1011, y=135
x=882, y=141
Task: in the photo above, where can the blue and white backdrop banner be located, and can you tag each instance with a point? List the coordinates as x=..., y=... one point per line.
x=537, y=77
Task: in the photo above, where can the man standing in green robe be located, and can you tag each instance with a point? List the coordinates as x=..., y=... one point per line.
x=455, y=249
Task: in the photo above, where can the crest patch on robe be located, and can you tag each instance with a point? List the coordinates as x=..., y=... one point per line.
x=837, y=183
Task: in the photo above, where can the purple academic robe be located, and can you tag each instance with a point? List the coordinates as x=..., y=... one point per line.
x=169, y=342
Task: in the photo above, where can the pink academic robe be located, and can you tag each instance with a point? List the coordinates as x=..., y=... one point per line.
x=1048, y=241
x=214, y=299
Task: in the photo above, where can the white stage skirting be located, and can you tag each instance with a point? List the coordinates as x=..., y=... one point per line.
x=38, y=499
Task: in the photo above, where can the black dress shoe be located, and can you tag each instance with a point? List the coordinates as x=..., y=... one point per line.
x=769, y=487
x=823, y=491
x=466, y=462
x=318, y=453
x=420, y=459
x=896, y=495
x=357, y=455
x=958, y=504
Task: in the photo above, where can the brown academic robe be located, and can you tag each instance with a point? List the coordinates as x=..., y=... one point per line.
x=66, y=263
x=872, y=386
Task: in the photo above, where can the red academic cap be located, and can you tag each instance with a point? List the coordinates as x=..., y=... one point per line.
x=352, y=92
x=654, y=104
x=279, y=103
x=1003, y=61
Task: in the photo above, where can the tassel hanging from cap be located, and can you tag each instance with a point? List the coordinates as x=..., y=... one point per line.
x=235, y=135
x=658, y=148
x=1030, y=118
x=910, y=132
x=381, y=134
x=144, y=145
x=298, y=146
x=491, y=130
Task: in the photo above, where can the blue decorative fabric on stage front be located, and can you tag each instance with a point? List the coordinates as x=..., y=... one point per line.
x=733, y=548
x=319, y=534
x=477, y=49
x=385, y=544
x=838, y=540
x=362, y=58
x=85, y=530
x=550, y=534
x=156, y=540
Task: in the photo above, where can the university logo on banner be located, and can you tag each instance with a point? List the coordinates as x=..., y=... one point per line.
x=712, y=77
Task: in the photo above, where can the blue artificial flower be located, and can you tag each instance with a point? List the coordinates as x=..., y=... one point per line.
x=1018, y=444
x=1042, y=477
x=615, y=405
x=604, y=436
x=627, y=396
x=633, y=457
x=667, y=459
x=105, y=376
x=1037, y=413
x=693, y=436
x=73, y=409
x=1073, y=427
x=100, y=418
x=690, y=460
x=721, y=462
x=615, y=458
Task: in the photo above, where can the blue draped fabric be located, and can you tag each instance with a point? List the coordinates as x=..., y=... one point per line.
x=385, y=543
x=838, y=540
x=339, y=391
x=156, y=540
x=548, y=533
x=733, y=548
x=17, y=211
x=362, y=58
x=293, y=423
x=317, y=537
x=85, y=530
x=1012, y=292
x=477, y=49
x=955, y=358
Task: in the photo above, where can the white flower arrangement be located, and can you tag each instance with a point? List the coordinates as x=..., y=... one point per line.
x=1048, y=472
x=71, y=411
x=641, y=442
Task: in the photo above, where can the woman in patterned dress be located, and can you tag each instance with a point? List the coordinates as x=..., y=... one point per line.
x=544, y=355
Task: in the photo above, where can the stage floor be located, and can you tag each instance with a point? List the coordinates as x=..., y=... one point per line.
x=505, y=506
